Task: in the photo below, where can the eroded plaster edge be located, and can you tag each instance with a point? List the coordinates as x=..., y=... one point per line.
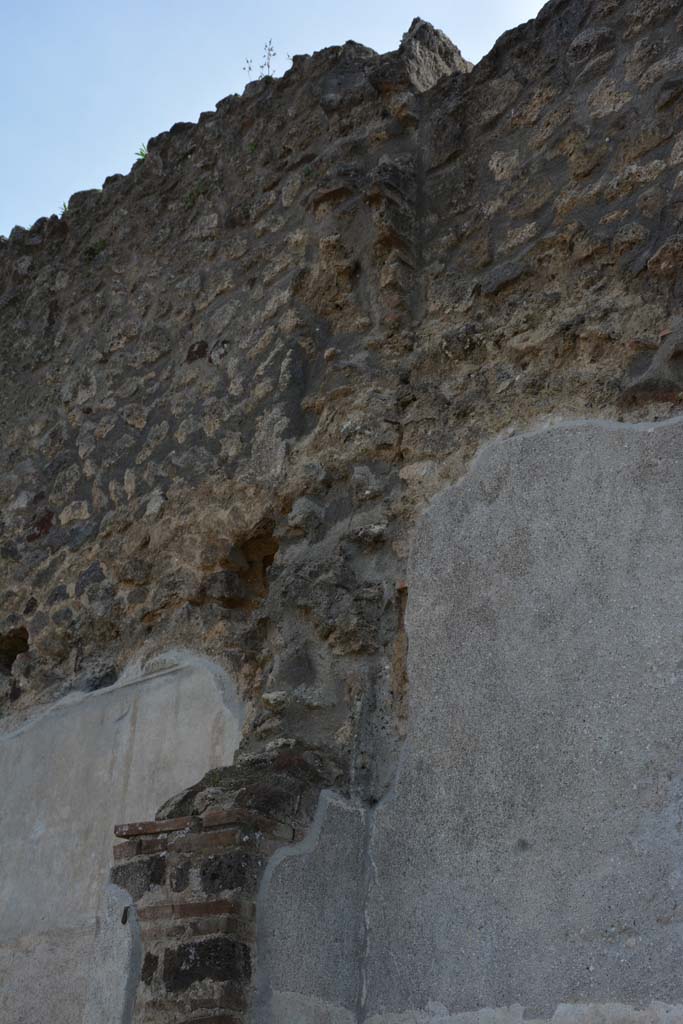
x=179, y=659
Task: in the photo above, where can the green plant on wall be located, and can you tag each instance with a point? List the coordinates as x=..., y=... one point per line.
x=141, y=153
x=91, y=252
x=266, y=67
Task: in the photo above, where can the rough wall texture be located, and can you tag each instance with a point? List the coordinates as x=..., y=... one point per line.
x=235, y=377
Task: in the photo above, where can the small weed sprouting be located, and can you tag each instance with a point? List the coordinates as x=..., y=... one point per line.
x=141, y=153
x=266, y=67
x=63, y=209
x=94, y=250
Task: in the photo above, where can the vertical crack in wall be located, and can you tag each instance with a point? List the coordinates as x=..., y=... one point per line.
x=400, y=683
x=368, y=882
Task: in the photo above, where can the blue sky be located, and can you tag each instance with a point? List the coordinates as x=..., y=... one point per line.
x=82, y=85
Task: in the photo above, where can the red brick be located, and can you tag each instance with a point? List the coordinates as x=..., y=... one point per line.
x=156, y=912
x=225, y=839
x=201, y=927
x=203, y=908
x=157, y=844
x=125, y=851
x=244, y=908
x=224, y=1018
x=235, y=927
x=217, y=817
x=149, y=828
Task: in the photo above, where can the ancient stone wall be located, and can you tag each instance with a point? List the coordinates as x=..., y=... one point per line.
x=237, y=376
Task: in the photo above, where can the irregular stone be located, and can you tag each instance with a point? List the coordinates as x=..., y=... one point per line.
x=219, y=959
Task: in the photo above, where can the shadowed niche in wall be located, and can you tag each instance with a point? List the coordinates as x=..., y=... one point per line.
x=12, y=644
x=240, y=572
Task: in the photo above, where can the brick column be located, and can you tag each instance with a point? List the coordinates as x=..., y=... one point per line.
x=194, y=879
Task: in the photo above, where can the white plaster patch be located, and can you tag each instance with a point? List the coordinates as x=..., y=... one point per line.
x=71, y=773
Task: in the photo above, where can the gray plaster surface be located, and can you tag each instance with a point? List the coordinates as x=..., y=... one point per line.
x=115, y=961
x=69, y=775
x=311, y=950
x=528, y=864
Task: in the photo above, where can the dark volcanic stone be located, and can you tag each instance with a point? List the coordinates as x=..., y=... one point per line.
x=235, y=870
x=138, y=876
x=219, y=959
